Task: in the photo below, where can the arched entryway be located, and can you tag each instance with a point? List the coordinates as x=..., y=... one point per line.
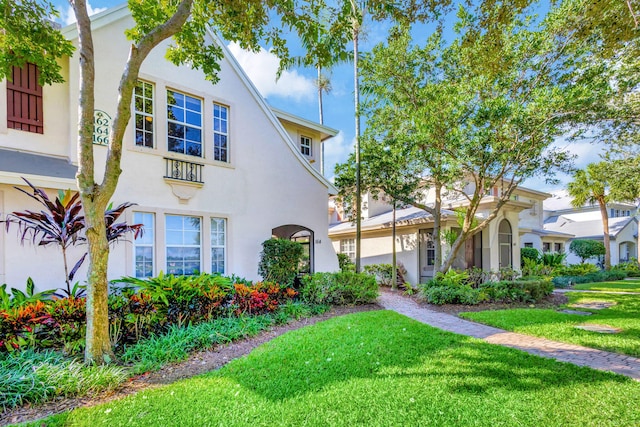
x=627, y=250
x=505, y=241
x=302, y=235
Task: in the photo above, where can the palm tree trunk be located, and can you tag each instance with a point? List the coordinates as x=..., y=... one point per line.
x=605, y=232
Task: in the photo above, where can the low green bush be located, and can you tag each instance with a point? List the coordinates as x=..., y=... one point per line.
x=529, y=253
x=600, y=276
x=345, y=263
x=529, y=290
x=280, y=261
x=576, y=270
x=343, y=288
x=632, y=268
x=32, y=377
x=382, y=272
x=464, y=294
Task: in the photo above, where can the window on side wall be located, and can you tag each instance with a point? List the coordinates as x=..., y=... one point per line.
x=24, y=99
x=220, y=133
x=143, y=114
x=546, y=247
x=305, y=145
x=183, y=243
x=143, y=245
x=557, y=247
x=184, y=124
x=348, y=247
x=218, y=245
x=528, y=245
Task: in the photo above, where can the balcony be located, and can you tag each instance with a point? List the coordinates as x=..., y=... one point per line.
x=183, y=170
x=185, y=178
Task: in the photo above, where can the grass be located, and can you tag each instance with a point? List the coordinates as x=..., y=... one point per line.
x=378, y=369
x=616, y=286
x=558, y=326
x=28, y=376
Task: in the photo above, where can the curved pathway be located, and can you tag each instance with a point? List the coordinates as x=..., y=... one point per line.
x=578, y=355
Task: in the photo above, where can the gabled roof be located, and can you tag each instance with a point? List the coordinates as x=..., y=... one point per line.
x=586, y=229
x=116, y=13
x=404, y=216
x=325, y=131
x=560, y=200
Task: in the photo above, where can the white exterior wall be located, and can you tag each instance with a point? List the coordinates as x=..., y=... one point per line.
x=296, y=132
x=265, y=185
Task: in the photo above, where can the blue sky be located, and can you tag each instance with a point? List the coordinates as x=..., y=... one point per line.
x=295, y=92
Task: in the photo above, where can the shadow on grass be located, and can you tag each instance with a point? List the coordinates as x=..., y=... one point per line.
x=386, y=345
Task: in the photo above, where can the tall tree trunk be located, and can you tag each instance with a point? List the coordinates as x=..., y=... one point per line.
x=605, y=231
x=356, y=94
x=394, y=273
x=437, y=225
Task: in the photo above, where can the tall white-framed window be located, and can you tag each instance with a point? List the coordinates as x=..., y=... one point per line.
x=184, y=123
x=143, y=114
x=218, y=245
x=184, y=247
x=220, y=133
x=305, y=145
x=348, y=247
x=143, y=245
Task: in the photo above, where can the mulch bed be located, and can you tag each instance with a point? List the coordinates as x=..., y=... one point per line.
x=198, y=363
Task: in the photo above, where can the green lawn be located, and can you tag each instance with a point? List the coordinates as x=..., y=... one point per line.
x=379, y=369
x=616, y=286
x=558, y=326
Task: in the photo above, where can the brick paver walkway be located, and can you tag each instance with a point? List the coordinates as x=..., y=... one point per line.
x=578, y=355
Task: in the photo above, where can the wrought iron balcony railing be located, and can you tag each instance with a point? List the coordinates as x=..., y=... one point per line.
x=183, y=170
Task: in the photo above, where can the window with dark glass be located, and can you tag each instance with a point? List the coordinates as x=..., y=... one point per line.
x=220, y=133
x=305, y=145
x=143, y=114
x=184, y=124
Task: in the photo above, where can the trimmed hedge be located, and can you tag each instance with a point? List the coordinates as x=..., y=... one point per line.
x=342, y=288
x=600, y=276
x=518, y=290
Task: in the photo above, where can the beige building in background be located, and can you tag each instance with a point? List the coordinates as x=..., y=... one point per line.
x=213, y=170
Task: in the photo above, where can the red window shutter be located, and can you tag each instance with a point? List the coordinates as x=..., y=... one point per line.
x=24, y=99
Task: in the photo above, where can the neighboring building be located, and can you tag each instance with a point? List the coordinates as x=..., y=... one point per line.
x=560, y=217
x=495, y=247
x=213, y=170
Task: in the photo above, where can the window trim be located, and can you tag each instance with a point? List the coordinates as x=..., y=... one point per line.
x=144, y=114
x=223, y=246
x=304, y=146
x=215, y=132
x=348, y=247
x=184, y=123
x=167, y=245
x=152, y=244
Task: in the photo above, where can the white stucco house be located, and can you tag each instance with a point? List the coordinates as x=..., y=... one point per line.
x=213, y=170
x=569, y=223
x=495, y=247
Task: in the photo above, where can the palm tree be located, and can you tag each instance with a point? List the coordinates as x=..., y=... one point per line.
x=590, y=185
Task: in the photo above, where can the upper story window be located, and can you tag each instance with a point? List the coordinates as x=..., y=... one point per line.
x=24, y=99
x=305, y=145
x=184, y=124
x=220, y=133
x=143, y=114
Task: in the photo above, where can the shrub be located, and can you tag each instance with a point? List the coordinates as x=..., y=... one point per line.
x=534, y=268
x=478, y=276
x=585, y=249
x=339, y=288
x=576, y=270
x=529, y=254
x=345, y=263
x=553, y=259
x=518, y=290
x=260, y=298
x=382, y=272
x=280, y=261
x=451, y=278
x=452, y=295
x=599, y=276
x=632, y=268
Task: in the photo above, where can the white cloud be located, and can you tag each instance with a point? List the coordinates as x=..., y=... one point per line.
x=336, y=150
x=261, y=67
x=68, y=17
